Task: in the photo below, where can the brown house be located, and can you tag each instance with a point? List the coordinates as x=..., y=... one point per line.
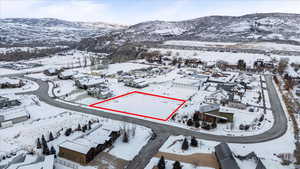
x=83, y=150
x=76, y=152
x=211, y=113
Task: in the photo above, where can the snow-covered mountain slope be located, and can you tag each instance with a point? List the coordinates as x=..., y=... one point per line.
x=247, y=28
x=45, y=31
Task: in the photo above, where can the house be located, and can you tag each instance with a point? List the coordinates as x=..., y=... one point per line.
x=6, y=102
x=136, y=83
x=224, y=157
x=187, y=83
x=11, y=83
x=89, y=82
x=76, y=152
x=101, y=92
x=217, y=97
x=84, y=149
x=226, y=86
x=67, y=74
x=52, y=71
x=211, y=113
x=11, y=117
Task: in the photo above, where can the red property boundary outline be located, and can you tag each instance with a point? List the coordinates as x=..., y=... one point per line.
x=149, y=94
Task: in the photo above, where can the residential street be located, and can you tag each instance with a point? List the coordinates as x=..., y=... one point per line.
x=164, y=130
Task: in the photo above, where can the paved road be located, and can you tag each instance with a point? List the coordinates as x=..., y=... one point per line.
x=164, y=130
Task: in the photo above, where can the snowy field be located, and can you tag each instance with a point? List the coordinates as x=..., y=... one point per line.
x=255, y=45
x=231, y=58
x=143, y=105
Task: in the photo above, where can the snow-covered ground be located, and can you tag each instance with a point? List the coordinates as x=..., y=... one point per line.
x=231, y=58
x=45, y=119
x=143, y=105
x=138, y=137
x=73, y=58
x=160, y=108
x=266, y=151
x=255, y=45
x=169, y=164
x=29, y=86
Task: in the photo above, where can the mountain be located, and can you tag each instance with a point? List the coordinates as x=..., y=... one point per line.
x=49, y=31
x=280, y=27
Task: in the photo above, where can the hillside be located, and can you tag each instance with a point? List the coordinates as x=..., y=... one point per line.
x=279, y=27
x=48, y=31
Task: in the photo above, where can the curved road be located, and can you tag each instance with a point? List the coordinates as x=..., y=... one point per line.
x=164, y=130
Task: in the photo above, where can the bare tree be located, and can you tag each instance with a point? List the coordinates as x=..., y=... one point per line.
x=283, y=62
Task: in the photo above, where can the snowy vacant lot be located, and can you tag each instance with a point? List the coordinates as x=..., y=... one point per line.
x=143, y=105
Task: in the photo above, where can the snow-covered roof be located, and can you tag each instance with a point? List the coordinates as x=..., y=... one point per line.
x=91, y=81
x=139, y=80
x=85, y=143
x=75, y=146
x=9, y=80
x=68, y=73
x=111, y=127
x=187, y=81
x=52, y=70
x=208, y=108
x=13, y=114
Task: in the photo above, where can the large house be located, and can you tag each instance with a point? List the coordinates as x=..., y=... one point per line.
x=6, y=102
x=67, y=74
x=52, y=71
x=136, y=83
x=11, y=83
x=211, y=113
x=225, y=157
x=13, y=116
x=188, y=83
x=84, y=149
x=101, y=92
x=89, y=82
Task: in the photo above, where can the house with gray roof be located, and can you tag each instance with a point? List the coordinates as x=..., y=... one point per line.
x=6, y=102
x=225, y=157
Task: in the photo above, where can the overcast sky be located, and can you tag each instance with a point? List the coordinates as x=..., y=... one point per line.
x=134, y=11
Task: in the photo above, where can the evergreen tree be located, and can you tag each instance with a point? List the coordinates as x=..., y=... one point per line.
x=44, y=142
x=68, y=132
x=177, y=165
x=52, y=150
x=194, y=142
x=190, y=122
x=51, y=136
x=125, y=137
x=46, y=150
x=197, y=124
x=79, y=127
x=161, y=163
x=214, y=124
x=196, y=117
x=185, y=144
x=84, y=128
x=38, y=144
